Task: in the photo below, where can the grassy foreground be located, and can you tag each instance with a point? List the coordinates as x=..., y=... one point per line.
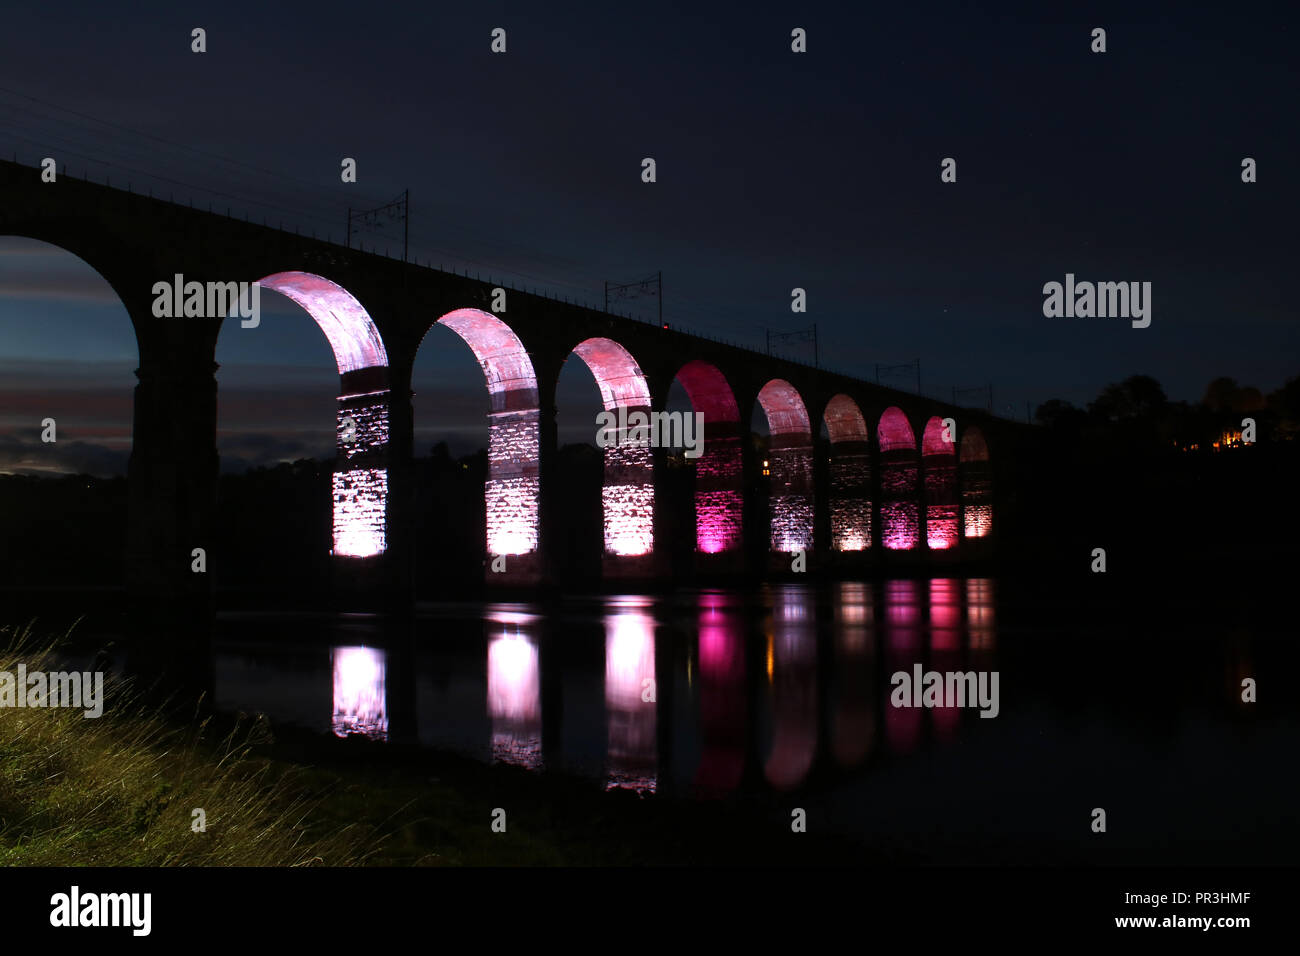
x=120, y=790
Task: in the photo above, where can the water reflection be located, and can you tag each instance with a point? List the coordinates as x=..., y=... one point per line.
x=903, y=649
x=945, y=648
x=722, y=693
x=854, y=729
x=514, y=687
x=631, y=695
x=359, y=694
x=792, y=671
x=721, y=690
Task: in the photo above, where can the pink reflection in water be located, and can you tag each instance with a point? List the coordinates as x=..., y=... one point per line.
x=794, y=689
x=359, y=693
x=854, y=726
x=630, y=697
x=723, y=723
x=514, y=695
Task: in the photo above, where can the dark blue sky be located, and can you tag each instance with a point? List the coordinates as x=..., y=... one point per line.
x=775, y=170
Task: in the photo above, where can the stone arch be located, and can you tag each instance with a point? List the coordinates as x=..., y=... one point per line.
x=899, y=514
x=628, y=494
x=790, y=453
x=511, y=491
x=939, y=462
x=976, y=485
x=719, y=479
x=850, y=475
x=359, y=483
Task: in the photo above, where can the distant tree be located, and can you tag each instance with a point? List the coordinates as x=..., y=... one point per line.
x=1137, y=397
x=1285, y=406
x=1225, y=395
x=1057, y=413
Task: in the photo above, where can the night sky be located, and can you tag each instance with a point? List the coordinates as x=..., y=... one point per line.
x=775, y=170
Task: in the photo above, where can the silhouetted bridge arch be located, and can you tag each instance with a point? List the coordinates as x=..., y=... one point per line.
x=899, y=481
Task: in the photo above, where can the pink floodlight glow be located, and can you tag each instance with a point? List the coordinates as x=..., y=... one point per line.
x=360, y=512
x=505, y=361
x=619, y=378
x=359, y=693
x=785, y=410
x=351, y=332
x=850, y=475
x=945, y=614
x=976, y=485
x=844, y=421
x=628, y=494
x=718, y=471
x=512, y=488
x=899, y=510
x=630, y=700
x=514, y=698
x=722, y=707
x=790, y=455
x=895, y=431
x=939, y=459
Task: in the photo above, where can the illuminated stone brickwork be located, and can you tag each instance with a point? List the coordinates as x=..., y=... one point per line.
x=719, y=474
x=360, y=481
x=629, y=493
x=850, y=475
x=359, y=693
x=628, y=497
x=360, y=512
x=850, y=487
x=366, y=421
x=939, y=460
x=512, y=488
x=790, y=458
x=899, y=510
x=976, y=486
x=792, y=505
x=719, y=501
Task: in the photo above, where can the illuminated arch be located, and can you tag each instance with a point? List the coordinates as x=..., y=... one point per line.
x=719, y=483
x=790, y=453
x=899, y=516
x=351, y=332
x=511, y=489
x=850, y=475
x=976, y=485
x=359, y=483
x=939, y=461
x=628, y=494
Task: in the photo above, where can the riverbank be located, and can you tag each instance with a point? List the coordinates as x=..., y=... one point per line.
x=139, y=787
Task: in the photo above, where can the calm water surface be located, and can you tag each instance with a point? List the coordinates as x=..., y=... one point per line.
x=784, y=696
